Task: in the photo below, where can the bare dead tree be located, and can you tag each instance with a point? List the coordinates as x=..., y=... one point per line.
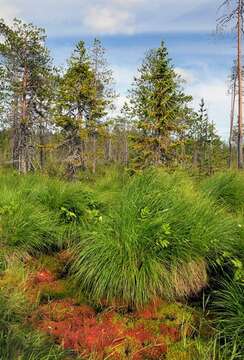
x=232, y=112
x=235, y=9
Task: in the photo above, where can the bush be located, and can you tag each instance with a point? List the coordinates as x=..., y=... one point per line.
x=156, y=241
x=227, y=189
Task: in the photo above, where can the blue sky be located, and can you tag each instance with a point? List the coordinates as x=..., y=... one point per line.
x=128, y=28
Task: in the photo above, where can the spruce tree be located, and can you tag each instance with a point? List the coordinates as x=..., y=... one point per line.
x=203, y=141
x=158, y=104
x=74, y=101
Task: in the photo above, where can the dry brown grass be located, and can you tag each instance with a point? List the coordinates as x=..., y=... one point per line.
x=190, y=278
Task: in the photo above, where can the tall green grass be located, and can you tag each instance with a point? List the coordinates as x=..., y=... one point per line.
x=227, y=189
x=40, y=214
x=156, y=241
x=228, y=310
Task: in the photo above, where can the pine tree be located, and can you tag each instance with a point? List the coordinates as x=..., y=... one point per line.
x=158, y=106
x=74, y=102
x=26, y=64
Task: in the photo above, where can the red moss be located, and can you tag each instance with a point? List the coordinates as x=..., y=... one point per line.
x=153, y=352
x=77, y=328
x=150, y=311
x=171, y=332
x=65, y=309
x=141, y=334
x=109, y=334
x=97, y=337
x=147, y=313
x=44, y=276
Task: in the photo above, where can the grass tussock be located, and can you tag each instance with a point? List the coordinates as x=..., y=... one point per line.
x=38, y=214
x=228, y=309
x=127, y=241
x=194, y=279
x=227, y=189
x=150, y=242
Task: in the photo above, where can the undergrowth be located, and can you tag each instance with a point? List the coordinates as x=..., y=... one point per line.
x=158, y=240
x=123, y=242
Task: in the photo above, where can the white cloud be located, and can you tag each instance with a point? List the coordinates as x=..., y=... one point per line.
x=186, y=75
x=8, y=11
x=109, y=20
x=113, y=16
x=123, y=76
x=119, y=103
x=215, y=93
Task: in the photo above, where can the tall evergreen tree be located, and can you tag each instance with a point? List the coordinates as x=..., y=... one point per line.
x=26, y=64
x=203, y=141
x=74, y=102
x=158, y=106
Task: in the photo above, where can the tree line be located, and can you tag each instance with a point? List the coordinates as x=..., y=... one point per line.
x=63, y=119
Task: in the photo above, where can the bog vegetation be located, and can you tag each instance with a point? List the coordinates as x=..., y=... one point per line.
x=147, y=266
x=121, y=236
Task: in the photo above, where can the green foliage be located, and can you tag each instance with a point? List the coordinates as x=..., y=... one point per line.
x=25, y=224
x=158, y=105
x=227, y=188
x=228, y=309
x=43, y=214
x=83, y=96
x=157, y=225
x=27, y=86
x=203, y=145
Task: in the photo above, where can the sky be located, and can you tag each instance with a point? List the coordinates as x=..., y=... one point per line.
x=128, y=28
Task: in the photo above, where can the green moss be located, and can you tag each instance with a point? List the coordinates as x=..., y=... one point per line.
x=14, y=277
x=59, y=289
x=187, y=350
x=175, y=314
x=153, y=326
x=50, y=263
